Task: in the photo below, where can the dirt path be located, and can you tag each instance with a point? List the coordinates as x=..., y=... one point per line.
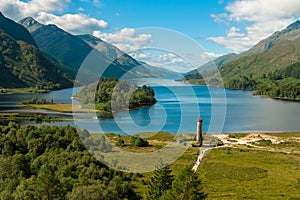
x=248, y=140
x=203, y=150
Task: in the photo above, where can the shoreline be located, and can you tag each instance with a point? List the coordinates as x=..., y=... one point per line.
x=71, y=108
x=64, y=108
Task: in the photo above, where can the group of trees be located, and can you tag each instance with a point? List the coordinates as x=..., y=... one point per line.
x=36, y=100
x=243, y=83
x=286, y=91
x=52, y=163
x=184, y=186
x=138, y=142
x=111, y=94
x=277, y=84
x=134, y=141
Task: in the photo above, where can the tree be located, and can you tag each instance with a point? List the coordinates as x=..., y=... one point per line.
x=186, y=186
x=120, y=189
x=138, y=142
x=160, y=182
x=88, y=192
x=120, y=141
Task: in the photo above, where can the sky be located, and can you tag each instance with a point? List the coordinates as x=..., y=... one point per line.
x=218, y=26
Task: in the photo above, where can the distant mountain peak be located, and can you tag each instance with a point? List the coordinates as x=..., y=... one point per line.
x=28, y=22
x=293, y=26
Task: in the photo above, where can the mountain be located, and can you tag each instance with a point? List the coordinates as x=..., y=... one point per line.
x=290, y=33
x=271, y=67
x=118, y=57
x=69, y=50
x=22, y=64
x=112, y=54
x=216, y=63
x=15, y=30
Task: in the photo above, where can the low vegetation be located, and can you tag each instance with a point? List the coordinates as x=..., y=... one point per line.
x=237, y=135
x=36, y=100
x=247, y=173
x=5, y=118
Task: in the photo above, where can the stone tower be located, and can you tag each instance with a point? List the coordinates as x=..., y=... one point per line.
x=199, y=132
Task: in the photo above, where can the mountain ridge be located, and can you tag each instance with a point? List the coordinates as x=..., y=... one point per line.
x=66, y=48
x=265, y=67
x=22, y=64
x=71, y=50
x=15, y=30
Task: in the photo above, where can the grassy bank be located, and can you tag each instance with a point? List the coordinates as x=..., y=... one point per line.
x=65, y=108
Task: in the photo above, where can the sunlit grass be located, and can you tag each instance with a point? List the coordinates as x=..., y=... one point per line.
x=236, y=173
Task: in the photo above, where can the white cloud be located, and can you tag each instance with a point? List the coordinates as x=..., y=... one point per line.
x=237, y=44
x=126, y=39
x=262, y=18
x=43, y=11
x=219, y=18
x=74, y=23
x=262, y=10
x=164, y=60
x=235, y=32
x=17, y=9
x=207, y=56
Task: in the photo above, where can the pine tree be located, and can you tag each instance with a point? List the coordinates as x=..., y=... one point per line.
x=186, y=186
x=160, y=182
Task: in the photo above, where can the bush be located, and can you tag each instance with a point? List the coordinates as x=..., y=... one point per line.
x=139, y=142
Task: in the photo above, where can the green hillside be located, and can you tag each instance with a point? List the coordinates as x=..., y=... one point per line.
x=216, y=63
x=271, y=67
x=16, y=31
x=23, y=65
x=67, y=49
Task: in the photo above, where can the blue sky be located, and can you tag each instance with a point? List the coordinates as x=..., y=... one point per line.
x=220, y=26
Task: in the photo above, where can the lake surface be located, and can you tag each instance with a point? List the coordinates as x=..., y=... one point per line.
x=178, y=109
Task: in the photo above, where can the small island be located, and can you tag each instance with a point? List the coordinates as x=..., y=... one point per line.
x=113, y=95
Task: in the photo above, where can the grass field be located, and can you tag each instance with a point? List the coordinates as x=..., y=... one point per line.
x=245, y=173
x=64, y=108
x=240, y=171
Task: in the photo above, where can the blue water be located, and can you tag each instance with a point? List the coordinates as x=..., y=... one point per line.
x=178, y=109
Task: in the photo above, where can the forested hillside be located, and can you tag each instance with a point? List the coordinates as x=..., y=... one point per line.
x=271, y=67
x=23, y=65
x=52, y=163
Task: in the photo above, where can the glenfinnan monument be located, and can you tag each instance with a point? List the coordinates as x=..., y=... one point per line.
x=199, y=138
